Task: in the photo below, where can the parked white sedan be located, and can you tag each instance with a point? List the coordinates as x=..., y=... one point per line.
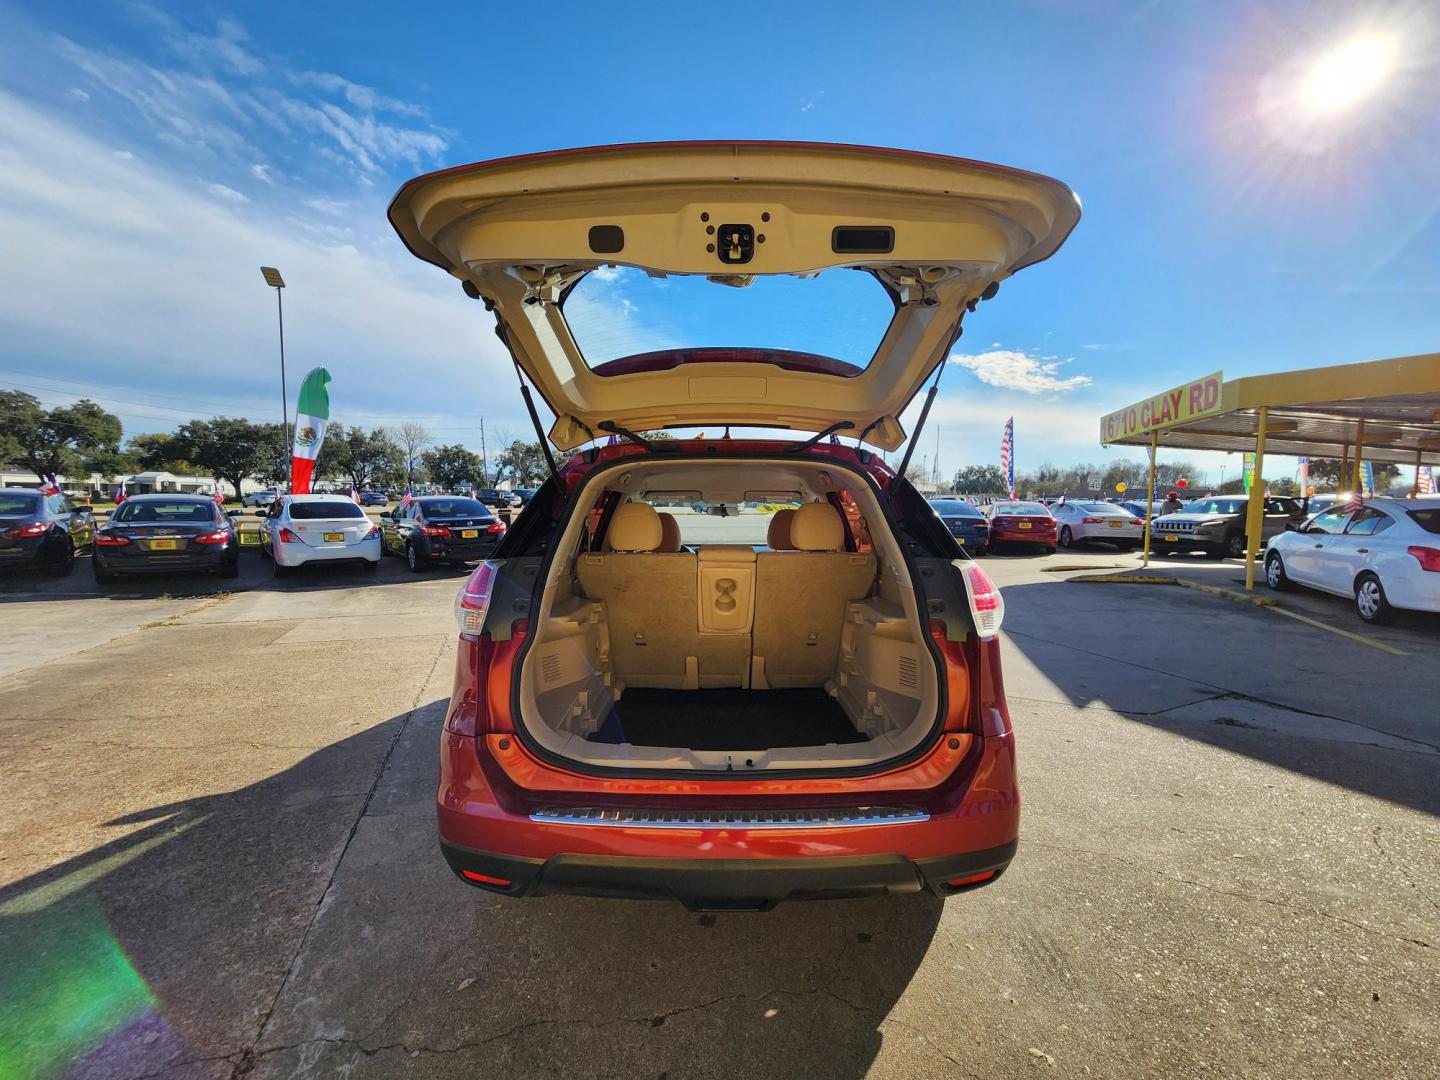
x=1386, y=555
x=1084, y=521
x=301, y=529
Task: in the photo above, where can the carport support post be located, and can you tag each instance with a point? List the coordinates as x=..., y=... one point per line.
x=1415, y=487
x=1255, y=508
x=1359, y=456
x=1150, y=496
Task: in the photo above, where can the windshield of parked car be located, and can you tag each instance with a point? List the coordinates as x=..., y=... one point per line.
x=1216, y=506
x=134, y=511
x=956, y=508
x=620, y=311
x=15, y=504
x=1428, y=518
x=439, y=508
x=1009, y=508
x=324, y=510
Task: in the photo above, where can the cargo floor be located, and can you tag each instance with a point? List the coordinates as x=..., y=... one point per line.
x=727, y=719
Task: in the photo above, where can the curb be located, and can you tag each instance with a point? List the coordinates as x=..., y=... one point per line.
x=1229, y=594
x=1127, y=579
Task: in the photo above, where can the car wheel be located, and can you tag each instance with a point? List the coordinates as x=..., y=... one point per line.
x=1370, y=602
x=1275, y=575
x=62, y=561
x=413, y=560
x=1235, y=546
x=1066, y=536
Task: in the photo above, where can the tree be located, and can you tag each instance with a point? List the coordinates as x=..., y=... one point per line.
x=412, y=439
x=452, y=467
x=161, y=451
x=979, y=480
x=229, y=448
x=1325, y=472
x=59, y=439
x=360, y=456
x=523, y=463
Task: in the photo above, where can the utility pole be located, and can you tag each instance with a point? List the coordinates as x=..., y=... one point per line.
x=484, y=461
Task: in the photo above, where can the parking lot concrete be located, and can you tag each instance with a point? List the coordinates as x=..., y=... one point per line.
x=217, y=859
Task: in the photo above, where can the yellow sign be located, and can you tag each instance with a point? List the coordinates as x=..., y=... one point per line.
x=1177, y=406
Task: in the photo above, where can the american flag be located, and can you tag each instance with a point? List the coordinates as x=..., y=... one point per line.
x=1007, y=455
x=409, y=497
x=1425, y=482
x=354, y=493
x=1304, y=463
x=51, y=486
x=1354, y=501
x=120, y=493
x=217, y=494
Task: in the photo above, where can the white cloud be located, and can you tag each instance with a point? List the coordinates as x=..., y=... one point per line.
x=606, y=273
x=124, y=155
x=362, y=97
x=333, y=207
x=261, y=172
x=77, y=95
x=174, y=304
x=1021, y=371
x=229, y=194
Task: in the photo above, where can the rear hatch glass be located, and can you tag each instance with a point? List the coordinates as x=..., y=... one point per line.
x=324, y=511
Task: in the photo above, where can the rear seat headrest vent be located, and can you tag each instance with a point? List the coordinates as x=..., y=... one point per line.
x=635, y=527
x=817, y=527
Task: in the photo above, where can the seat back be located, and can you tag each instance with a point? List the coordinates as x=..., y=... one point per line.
x=649, y=600
x=800, y=600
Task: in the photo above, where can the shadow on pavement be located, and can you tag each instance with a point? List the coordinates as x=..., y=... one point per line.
x=175, y=943
x=1156, y=654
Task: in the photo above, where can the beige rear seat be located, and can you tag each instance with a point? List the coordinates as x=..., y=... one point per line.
x=649, y=601
x=800, y=599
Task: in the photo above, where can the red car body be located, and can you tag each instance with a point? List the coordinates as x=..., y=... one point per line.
x=507, y=814
x=1039, y=530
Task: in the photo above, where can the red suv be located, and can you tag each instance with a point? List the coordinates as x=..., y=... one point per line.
x=729, y=670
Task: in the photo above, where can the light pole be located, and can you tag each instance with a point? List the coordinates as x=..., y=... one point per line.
x=276, y=282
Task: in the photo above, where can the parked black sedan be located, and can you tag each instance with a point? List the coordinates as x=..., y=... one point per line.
x=43, y=532
x=441, y=529
x=157, y=534
x=969, y=527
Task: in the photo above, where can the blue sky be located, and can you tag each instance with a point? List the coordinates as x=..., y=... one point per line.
x=153, y=156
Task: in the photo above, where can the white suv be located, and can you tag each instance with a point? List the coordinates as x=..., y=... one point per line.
x=301, y=529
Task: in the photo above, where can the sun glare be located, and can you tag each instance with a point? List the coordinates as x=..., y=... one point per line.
x=1347, y=74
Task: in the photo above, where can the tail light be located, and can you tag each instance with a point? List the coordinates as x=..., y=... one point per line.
x=1429, y=557
x=374, y=532
x=1092, y=521
x=35, y=528
x=219, y=536
x=106, y=539
x=498, y=527
x=288, y=537
x=1137, y=521
x=436, y=530
x=472, y=602
x=987, y=607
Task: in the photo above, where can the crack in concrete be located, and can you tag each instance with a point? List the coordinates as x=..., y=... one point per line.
x=1375, y=838
x=933, y=1046
x=247, y=1057
x=1230, y=892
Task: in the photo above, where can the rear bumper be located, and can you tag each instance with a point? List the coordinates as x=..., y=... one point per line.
x=300, y=554
x=727, y=884
x=462, y=552
x=165, y=563
x=1044, y=539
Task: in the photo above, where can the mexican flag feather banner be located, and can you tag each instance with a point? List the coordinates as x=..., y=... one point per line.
x=311, y=416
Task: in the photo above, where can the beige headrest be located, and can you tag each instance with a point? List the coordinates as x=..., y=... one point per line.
x=778, y=536
x=817, y=527
x=635, y=527
x=669, y=534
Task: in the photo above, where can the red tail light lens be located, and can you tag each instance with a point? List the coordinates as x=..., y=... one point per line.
x=105, y=539
x=987, y=607
x=973, y=879
x=472, y=602
x=436, y=530
x=219, y=536
x=1092, y=521
x=498, y=527
x=288, y=537
x=1136, y=521
x=374, y=532
x=486, y=879
x=1429, y=557
x=35, y=528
